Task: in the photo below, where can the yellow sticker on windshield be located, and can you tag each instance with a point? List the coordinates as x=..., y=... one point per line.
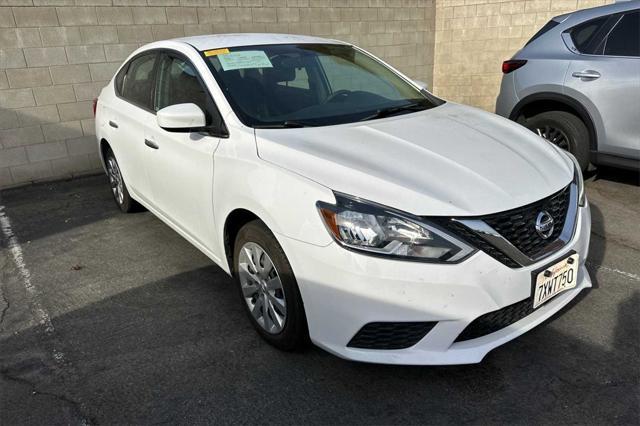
x=215, y=52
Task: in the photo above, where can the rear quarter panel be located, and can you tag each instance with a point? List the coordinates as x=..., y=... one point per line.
x=541, y=75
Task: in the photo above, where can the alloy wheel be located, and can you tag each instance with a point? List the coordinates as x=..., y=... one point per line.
x=555, y=136
x=261, y=288
x=115, y=180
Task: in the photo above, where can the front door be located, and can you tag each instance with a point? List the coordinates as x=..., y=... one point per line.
x=180, y=165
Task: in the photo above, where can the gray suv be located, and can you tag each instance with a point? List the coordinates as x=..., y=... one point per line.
x=577, y=84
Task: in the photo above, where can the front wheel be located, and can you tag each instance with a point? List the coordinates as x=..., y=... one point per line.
x=268, y=288
x=564, y=130
x=118, y=188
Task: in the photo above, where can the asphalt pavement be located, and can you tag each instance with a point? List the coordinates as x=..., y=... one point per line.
x=108, y=318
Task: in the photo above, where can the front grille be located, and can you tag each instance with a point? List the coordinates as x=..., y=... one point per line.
x=481, y=244
x=518, y=226
x=496, y=320
x=390, y=335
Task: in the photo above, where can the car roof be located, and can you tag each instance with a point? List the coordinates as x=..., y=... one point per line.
x=218, y=41
x=595, y=12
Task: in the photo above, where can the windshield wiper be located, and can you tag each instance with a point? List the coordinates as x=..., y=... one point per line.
x=387, y=112
x=287, y=124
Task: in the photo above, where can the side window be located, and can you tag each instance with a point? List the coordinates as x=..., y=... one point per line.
x=138, y=81
x=178, y=83
x=120, y=79
x=588, y=35
x=624, y=39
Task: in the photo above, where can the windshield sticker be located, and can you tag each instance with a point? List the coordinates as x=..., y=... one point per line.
x=244, y=59
x=215, y=52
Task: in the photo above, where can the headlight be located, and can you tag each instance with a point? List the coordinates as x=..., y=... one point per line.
x=578, y=179
x=379, y=230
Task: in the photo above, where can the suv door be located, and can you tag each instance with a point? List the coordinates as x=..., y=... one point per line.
x=131, y=113
x=180, y=164
x=605, y=78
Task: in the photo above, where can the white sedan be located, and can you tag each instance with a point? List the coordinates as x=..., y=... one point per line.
x=353, y=208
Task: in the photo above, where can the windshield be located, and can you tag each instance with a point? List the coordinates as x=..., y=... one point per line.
x=298, y=85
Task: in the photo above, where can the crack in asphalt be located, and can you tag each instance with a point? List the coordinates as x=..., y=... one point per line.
x=614, y=240
x=6, y=307
x=624, y=274
x=3, y=294
x=75, y=405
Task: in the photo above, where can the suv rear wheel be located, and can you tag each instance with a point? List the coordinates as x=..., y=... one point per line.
x=564, y=130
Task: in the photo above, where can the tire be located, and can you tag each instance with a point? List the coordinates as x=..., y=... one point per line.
x=565, y=130
x=118, y=187
x=291, y=333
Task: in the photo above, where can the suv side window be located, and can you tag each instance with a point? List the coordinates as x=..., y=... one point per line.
x=178, y=82
x=624, y=39
x=587, y=36
x=137, y=84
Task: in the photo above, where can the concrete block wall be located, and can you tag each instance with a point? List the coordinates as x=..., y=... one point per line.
x=56, y=55
x=473, y=37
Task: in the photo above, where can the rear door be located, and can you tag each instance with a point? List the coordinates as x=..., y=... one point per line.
x=129, y=116
x=605, y=76
x=180, y=165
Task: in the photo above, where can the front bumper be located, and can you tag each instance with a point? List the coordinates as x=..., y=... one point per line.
x=343, y=290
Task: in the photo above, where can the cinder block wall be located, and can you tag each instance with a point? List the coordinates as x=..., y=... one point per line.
x=56, y=55
x=473, y=37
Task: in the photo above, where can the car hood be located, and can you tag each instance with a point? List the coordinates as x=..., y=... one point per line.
x=451, y=160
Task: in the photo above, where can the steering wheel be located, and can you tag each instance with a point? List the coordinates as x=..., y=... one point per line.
x=340, y=95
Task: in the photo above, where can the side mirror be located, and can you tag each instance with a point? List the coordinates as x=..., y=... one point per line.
x=181, y=118
x=421, y=84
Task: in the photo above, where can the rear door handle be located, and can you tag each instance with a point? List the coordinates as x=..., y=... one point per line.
x=151, y=144
x=587, y=74
x=113, y=124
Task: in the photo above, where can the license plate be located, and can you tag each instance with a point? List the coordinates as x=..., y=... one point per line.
x=555, y=279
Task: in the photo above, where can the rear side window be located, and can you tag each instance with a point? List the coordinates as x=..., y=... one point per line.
x=548, y=26
x=120, y=79
x=138, y=81
x=588, y=35
x=624, y=39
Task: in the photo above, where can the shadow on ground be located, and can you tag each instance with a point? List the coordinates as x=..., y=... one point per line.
x=180, y=350
x=163, y=338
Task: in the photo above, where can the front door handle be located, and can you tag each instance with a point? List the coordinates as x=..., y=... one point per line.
x=151, y=144
x=113, y=124
x=587, y=74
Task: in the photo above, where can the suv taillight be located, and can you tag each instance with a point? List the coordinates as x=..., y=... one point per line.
x=95, y=105
x=512, y=65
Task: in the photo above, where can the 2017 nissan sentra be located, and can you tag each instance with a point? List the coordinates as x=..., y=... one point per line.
x=352, y=207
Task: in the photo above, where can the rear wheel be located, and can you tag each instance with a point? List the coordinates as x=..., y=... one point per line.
x=118, y=188
x=564, y=130
x=268, y=288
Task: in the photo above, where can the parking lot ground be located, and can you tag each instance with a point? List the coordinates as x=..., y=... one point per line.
x=110, y=318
